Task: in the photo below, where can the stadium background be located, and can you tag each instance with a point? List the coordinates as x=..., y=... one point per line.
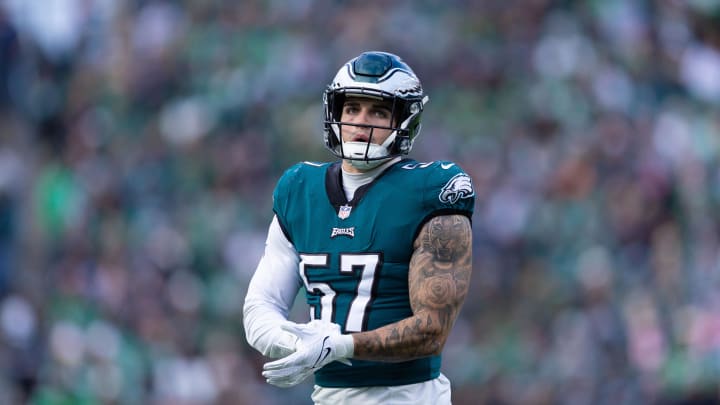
x=141, y=139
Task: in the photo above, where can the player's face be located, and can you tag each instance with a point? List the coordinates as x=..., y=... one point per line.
x=366, y=111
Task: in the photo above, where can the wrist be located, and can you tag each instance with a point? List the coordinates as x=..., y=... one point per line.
x=345, y=346
x=284, y=344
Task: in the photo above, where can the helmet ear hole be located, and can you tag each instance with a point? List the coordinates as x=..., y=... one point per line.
x=404, y=145
x=415, y=107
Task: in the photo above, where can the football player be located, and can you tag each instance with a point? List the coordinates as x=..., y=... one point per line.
x=380, y=243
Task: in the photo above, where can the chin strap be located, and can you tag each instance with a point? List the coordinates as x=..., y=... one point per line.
x=367, y=164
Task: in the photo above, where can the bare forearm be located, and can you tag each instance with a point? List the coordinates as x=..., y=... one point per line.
x=410, y=338
x=438, y=283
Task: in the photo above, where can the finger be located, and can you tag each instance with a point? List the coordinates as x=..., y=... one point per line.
x=289, y=376
x=286, y=382
x=282, y=372
x=289, y=381
x=289, y=326
x=280, y=382
x=285, y=362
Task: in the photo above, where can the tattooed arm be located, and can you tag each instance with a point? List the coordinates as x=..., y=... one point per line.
x=438, y=280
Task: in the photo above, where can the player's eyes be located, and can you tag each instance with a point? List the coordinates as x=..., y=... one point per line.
x=382, y=114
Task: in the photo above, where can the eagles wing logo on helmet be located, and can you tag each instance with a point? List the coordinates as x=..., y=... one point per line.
x=460, y=186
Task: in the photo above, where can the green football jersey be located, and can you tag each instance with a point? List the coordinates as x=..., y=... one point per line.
x=354, y=255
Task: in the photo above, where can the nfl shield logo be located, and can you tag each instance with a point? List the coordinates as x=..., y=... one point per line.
x=344, y=211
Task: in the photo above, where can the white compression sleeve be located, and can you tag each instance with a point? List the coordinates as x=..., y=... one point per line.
x=271, y=294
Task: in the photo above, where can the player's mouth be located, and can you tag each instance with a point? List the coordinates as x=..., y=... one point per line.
x=359, y=138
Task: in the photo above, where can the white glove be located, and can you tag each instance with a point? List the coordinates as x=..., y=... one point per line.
x=284, y=345
x=319, y=343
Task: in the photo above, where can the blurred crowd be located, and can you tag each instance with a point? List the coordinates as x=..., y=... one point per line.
x=140, y=142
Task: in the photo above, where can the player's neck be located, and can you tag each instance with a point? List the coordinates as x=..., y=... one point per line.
x=352, y=180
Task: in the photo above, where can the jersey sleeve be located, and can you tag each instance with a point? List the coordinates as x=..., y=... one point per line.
x=283, y=195
x=448, y=190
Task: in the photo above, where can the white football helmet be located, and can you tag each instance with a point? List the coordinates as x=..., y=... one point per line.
x=376, y=75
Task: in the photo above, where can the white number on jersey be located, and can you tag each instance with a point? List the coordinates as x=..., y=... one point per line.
x=367, y=263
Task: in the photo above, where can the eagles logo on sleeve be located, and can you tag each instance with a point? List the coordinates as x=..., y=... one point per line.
x=460, y=186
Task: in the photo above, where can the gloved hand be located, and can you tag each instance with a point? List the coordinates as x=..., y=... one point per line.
x=284, y=345
x=319, y=343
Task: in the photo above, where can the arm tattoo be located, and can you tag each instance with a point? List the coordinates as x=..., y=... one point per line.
x=438, y=282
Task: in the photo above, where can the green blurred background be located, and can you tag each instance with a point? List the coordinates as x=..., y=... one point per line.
x=140, y=141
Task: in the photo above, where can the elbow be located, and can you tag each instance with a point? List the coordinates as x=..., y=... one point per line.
x=435, y=325
x=431, y=345
x=434, y=336
x=437, y=344
x=247, y=317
